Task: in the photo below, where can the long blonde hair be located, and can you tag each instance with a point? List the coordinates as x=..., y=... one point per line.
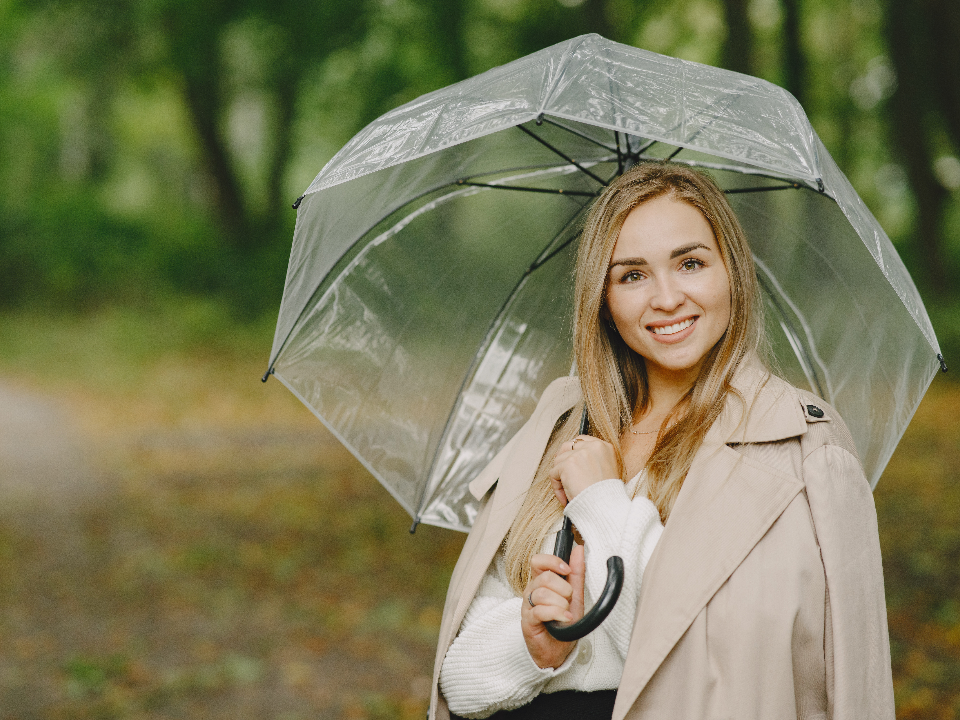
x=613, y=377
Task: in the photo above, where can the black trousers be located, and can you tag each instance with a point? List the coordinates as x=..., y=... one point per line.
x=562, y=705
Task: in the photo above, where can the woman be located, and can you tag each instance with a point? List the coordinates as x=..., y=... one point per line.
x=761, y=594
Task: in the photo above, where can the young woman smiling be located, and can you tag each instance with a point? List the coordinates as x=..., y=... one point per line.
x=753, y=581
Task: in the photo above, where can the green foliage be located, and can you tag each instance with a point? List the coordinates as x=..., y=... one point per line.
x=167, y=164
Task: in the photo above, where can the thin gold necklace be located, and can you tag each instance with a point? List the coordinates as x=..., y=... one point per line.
x=645, y=432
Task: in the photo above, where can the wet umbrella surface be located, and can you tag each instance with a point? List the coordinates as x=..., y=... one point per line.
x=427, y=301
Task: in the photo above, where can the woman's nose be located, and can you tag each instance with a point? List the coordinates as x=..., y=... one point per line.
x=667, y=295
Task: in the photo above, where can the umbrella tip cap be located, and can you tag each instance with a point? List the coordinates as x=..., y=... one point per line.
x=943, y=365
x=413, y=528
x=266, y=375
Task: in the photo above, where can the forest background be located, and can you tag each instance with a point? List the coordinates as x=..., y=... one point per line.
x=177, y=540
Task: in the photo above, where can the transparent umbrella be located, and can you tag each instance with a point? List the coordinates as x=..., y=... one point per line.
x=427, y=299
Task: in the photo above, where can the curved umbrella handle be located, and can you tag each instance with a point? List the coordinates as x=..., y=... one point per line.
x=611, y=591
x=608, y=598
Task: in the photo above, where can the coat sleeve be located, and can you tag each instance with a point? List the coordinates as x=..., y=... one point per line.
x=857, y=643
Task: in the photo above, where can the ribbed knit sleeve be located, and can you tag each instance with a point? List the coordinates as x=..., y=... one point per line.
x=488, y=667
x=610, y=523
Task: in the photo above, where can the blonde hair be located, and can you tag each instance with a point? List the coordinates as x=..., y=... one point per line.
x=613, y=378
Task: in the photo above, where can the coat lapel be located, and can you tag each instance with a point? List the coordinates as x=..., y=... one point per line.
x=726, y=505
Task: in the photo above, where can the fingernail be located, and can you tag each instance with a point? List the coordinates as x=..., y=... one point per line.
x=568, y=616
x=564, y=568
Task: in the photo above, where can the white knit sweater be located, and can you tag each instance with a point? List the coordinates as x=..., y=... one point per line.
x=488, y=667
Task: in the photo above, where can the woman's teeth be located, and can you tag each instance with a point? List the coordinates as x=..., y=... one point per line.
x=673, y=329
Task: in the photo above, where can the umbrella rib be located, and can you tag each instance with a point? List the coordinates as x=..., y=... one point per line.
x=566, y=157
x=541, y=166
x=571, y=130
x=644, y=148
x=348, y=249
x=553, y=191
x=478, y=356
x=764, y=188
x=740, y=170
x=540, y=262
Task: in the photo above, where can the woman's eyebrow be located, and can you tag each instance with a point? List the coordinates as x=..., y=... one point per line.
x=687, y=248
x=628, y=261
x=675, y=254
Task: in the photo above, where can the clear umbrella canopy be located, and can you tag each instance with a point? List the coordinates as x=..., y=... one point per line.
x=428, y=296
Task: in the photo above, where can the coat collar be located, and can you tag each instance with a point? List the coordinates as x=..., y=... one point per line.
x=772, y=407
x=762, y=408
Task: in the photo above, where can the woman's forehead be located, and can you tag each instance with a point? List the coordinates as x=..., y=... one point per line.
x=660, y=228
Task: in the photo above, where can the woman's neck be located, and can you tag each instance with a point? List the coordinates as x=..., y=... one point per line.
x=665, y=390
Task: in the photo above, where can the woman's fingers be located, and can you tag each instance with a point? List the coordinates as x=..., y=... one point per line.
x=551, y=603
x=580, y=463
x=559, y=491
x=551, y=613
x=545, y=562
x=550, y=588
x=548, y=591
x=548, y=597
x=558, y=598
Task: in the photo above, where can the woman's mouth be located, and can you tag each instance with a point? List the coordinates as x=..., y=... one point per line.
x=674, y=328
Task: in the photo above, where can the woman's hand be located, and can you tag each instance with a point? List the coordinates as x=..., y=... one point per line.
x=581, y=463
x=554, y=598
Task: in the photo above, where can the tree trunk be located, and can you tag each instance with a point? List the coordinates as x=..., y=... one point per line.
x=910, y=112
x=450, y=19
x=193, y=34
x=205, y=112
x=794, y=61
x=738, y=49
x=944, y=24
x=286, y=104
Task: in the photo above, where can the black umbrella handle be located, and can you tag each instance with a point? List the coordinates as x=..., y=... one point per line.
x=608, y=598
x=611, y=591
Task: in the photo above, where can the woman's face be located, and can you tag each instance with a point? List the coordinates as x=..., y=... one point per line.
x=668, y=291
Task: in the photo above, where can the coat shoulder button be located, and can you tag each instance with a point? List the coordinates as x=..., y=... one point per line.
x=814, y=411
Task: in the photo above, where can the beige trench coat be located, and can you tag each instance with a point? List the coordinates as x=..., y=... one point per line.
x=764, y=598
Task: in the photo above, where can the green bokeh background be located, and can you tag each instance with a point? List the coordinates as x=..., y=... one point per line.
x=220, y=556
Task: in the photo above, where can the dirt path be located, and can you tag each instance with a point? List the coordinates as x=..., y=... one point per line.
x=47, y=480
x=42, y=462
x=203, y=570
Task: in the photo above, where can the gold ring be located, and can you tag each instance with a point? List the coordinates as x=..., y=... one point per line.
x=573, y=446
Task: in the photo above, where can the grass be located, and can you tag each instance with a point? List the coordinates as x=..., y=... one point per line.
x=235, y=562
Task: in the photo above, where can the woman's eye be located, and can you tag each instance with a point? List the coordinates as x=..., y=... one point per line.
x=631, y=276
x=691, y=264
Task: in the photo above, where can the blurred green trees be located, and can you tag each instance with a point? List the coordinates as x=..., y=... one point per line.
x=155, y=146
